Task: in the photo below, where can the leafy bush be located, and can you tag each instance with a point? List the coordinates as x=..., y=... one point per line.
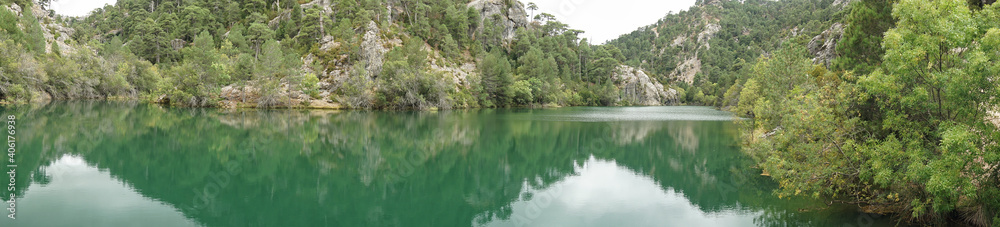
x=520, y=92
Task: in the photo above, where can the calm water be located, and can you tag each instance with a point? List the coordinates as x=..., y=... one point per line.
x=122, y=164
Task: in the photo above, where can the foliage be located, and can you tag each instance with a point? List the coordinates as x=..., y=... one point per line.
x=910, y=137
x=747, y=30
x=860, y=47
x=495, y=71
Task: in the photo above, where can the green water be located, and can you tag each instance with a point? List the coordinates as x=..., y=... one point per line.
x=126, y=164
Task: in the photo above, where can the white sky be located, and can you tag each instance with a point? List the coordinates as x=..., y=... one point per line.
x=77, y=8
x=601, y=19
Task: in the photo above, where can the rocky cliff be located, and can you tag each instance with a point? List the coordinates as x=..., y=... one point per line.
x=637, y=88
x=681, y=44
x=824, y=45
x=53, y=31
x=510, y=15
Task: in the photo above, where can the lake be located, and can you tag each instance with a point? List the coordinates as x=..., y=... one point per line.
x=132, y=164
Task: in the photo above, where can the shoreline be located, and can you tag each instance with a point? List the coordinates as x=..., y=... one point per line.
x=314, y=104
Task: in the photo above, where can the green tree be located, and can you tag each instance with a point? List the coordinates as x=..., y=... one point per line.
x=931, y=94
x=149, y=40
x=860, y=48
x=258, y=34
x=495, y=73
x=195, y=20
x=535, y=65
x=237, y=38
x=34, y=39
x=310, y=32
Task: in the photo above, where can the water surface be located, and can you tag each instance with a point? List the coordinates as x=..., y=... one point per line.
x=127, y=164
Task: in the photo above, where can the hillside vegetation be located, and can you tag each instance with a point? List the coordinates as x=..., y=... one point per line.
x=881, y=104
x=884, y=104
x=397, y=54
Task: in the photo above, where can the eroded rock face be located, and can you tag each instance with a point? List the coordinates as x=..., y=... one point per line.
x=824, y=46
x=372, y=51
x=511, y=16
x=691, y=65
x=687, y=69
x=708, y=34
x=637, y=88
x=842, y=3
x=52, y=31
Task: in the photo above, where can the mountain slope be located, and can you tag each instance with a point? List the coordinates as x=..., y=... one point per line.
x=397, y=54
x=885, y=105
x=709, y=46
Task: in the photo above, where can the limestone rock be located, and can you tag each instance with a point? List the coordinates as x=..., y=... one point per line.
x=679, y=41
x=687, y=69
x=638, y=88
x=328, y=43
x=283, y=16
x=691, y=64
x=511, y=16
x=240, y=94
x=15, y=8
x=708, y=34
x=824, y=46
x=842, y=3
x=372, y=51
x=178, y=44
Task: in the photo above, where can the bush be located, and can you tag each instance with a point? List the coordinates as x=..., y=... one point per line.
x=357, y=91
x=520, y=92
x=310, y=85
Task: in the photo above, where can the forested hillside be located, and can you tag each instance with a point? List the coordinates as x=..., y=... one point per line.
x=708, y=47
x=397, y=54
x=887, y=105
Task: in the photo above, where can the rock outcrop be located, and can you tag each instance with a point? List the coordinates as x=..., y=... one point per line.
x=511, y=15
x=637, y=88
x=842, y=3
x=708, y=34
x=687, y=69
x=994, y=117
x=237, y=96
x=372, y=50
x=54, y=32
x=14, y=8
x=691, y=65
x=824, y=46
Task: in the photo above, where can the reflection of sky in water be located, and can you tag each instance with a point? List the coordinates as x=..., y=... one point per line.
x=657, y=113
x=603, y=194
x=81, y=195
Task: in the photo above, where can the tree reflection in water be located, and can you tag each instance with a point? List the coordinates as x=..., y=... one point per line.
x=449, y=168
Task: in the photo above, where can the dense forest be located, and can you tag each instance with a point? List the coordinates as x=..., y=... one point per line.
x=897, y=121
x=398, y=54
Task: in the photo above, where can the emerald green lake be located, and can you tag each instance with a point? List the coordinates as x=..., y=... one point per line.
x=129, y=164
